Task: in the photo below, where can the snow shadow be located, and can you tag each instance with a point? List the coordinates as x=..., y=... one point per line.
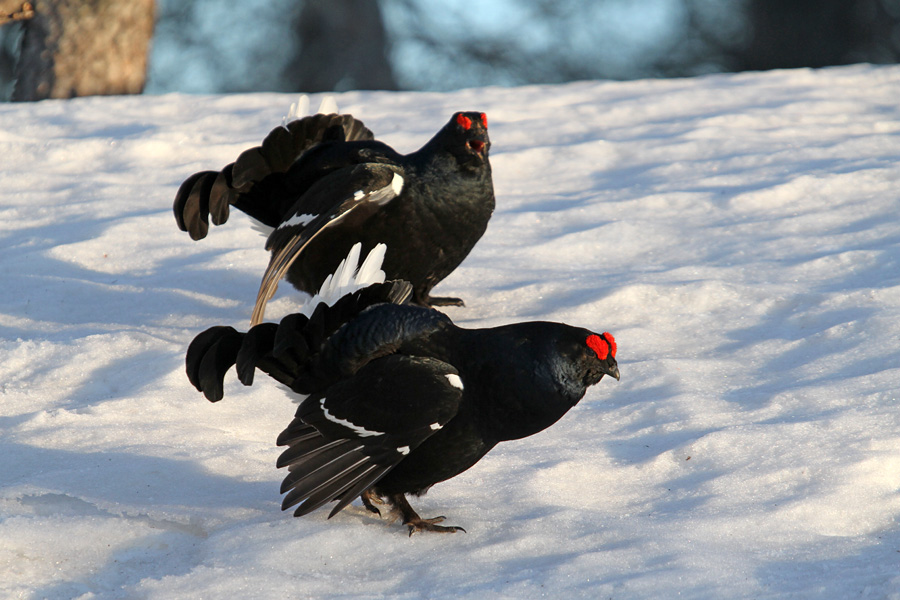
x=63, y=299
x=818, y=325
x=799, y=576
x=161, y=538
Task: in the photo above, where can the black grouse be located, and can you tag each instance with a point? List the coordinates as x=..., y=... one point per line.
x=399, y=398
x=324, y=183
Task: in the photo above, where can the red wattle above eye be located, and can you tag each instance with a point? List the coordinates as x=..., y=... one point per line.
x=611, y=341
x=598, y=345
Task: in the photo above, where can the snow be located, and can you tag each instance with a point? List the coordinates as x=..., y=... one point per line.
x=738, y=234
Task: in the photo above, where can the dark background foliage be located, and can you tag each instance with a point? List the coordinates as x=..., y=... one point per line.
x=215, y=46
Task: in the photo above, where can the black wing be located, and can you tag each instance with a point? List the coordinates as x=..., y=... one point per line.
x=257, y=182
x=347, y=437
x=348, y=195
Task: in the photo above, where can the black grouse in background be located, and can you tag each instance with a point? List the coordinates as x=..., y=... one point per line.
x=324, y=183
x=399, y=398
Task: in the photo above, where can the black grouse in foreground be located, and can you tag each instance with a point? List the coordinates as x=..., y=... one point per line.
x=399, y=398
x=323, y=183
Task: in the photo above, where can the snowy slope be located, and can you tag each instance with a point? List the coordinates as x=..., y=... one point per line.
x=738, y=234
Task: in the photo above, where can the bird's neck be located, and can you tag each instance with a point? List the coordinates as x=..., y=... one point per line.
x=517, y=391
x=434, y=158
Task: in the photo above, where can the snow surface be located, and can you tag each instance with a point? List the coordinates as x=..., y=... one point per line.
x=738, y=234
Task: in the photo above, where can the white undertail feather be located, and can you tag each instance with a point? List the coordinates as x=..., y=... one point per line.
x=261, y=228
x=347, y=278
x=371, y=268
x=297, y=110
x=328, y=106
x=300, y=108
x=341, y=276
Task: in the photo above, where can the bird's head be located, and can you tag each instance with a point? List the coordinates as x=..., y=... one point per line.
x=576, y=358
x=601, y=358
x=545, y=369
x=466, y=137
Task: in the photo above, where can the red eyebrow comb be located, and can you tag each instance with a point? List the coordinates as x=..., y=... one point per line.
x=602, y=346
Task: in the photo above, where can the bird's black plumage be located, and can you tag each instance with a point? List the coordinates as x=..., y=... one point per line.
x=400, y=398
x=324, y=183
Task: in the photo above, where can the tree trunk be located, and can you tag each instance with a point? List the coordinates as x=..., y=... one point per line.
x=84, y=48
x=343, y=46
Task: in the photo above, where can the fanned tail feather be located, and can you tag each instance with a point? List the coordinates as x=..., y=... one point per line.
x=285, y=350
x=255, y=182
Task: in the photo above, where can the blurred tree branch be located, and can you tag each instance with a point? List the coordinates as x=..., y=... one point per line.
x=15, y=11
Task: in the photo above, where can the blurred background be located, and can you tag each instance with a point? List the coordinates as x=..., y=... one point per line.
x=65, y=48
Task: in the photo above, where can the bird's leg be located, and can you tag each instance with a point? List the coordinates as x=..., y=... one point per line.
x=422, y=298
x=370, y=499
x=414, y=522
x=443, y=301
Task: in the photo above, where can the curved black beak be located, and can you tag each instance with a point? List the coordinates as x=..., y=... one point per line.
x=612, y=370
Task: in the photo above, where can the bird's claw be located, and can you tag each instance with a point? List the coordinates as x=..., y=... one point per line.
x=417, y=525
x=369, y=500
